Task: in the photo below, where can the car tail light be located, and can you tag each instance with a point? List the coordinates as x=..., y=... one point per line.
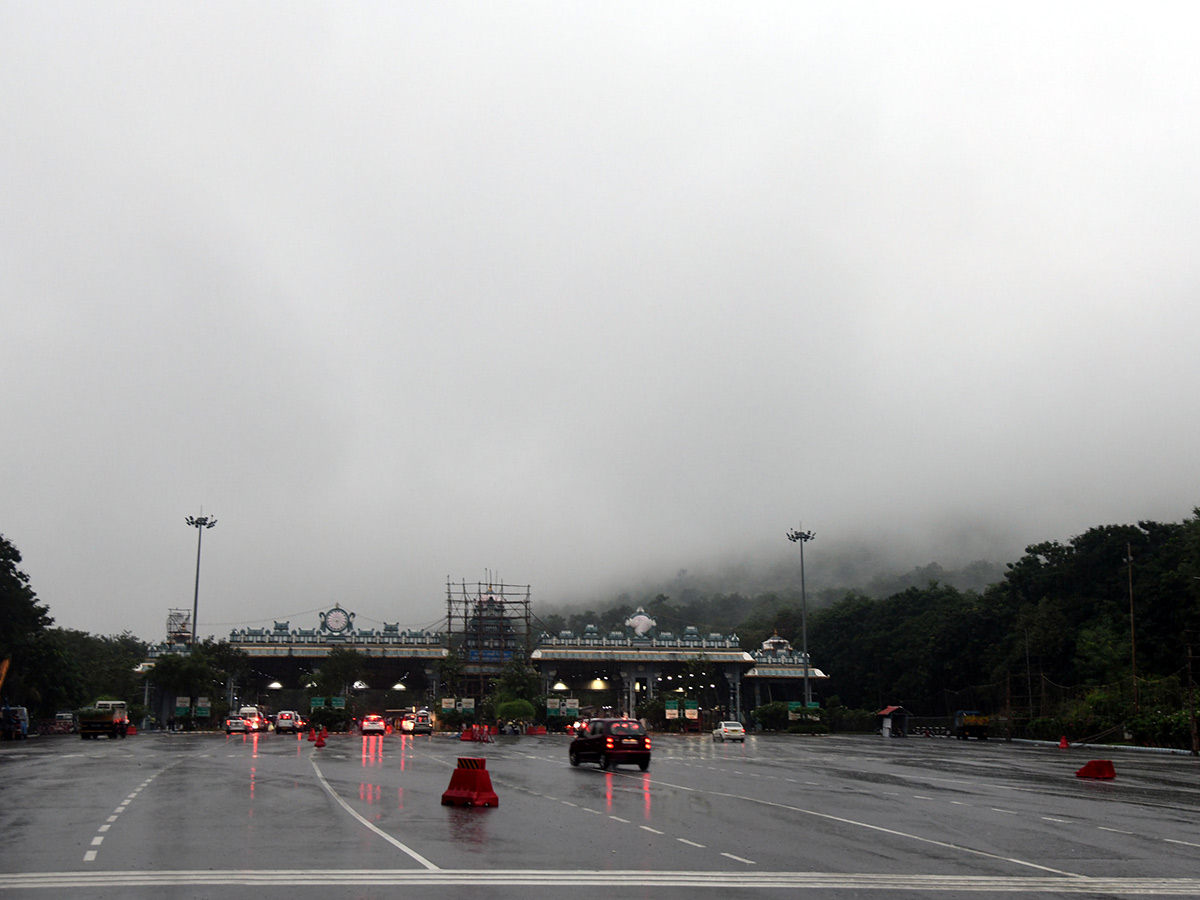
x=647, y=742
x=609, y=743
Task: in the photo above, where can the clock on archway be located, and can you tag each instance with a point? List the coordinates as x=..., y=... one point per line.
x=336, y=620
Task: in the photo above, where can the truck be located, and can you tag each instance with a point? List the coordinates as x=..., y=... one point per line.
x=971, y=723
x=14, y=723
x=109, y=717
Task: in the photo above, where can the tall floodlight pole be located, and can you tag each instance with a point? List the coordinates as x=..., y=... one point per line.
x=802, y=538
x=199, y=523
x=1132, y=636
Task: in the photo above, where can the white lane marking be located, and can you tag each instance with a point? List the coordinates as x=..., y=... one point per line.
x=111, y=819
x=959, y=803
x=651, y=830
x=1011, y=812
x=798, y=881
x=1052, y=819
x=104, y=828
x=383, y=834
x=594, y=812
x=689, y=843
x=90, y=856
x=619, y=819
x=1185, y=843
x=879, y=828
x=569, y=803
x=748, y=862
x=1113, y=830
x=921, y=797
x=97, y=841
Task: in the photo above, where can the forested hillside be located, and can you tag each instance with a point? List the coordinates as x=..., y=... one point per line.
x=1056, y=638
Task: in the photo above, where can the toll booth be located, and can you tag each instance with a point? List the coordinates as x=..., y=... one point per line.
x=893, y=721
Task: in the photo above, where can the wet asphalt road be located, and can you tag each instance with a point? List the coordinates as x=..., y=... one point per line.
x=194, y=816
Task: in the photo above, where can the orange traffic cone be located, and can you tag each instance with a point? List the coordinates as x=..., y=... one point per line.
x=1063, y=745
x=470, y=784
x=312, y=734
x=320, y=739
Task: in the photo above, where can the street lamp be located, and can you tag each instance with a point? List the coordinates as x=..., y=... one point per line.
x=199, y=523
x=802, y=538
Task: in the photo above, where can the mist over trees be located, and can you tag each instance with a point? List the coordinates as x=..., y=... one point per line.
x=1055, y=636
x=1091, y=634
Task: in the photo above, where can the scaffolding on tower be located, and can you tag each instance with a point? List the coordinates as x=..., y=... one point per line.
x=488, y=624
x=179, y=626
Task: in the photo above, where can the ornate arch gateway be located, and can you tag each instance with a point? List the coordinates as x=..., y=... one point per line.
x=283, y=658
x=697, y=676
x=615, y=672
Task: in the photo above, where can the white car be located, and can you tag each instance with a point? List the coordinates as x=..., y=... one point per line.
x=373, y=724
x=729, y=731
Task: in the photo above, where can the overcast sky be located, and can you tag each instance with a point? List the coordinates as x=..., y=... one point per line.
x=580, y=293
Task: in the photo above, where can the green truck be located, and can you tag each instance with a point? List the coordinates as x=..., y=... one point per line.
x=109, y=717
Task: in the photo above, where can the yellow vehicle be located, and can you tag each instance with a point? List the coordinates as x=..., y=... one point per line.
x=971, y=723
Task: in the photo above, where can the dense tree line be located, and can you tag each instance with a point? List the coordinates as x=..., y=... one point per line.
x=1059, y=633
x=52, y=669
x=1056, y=635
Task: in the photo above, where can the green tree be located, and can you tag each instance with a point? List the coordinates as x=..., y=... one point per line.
x=771, y=716
x=450, y=671
x=338, y=672
x=518, y=681
x=204, y=670
x=102, y=666
x=515, y=711
x=31, y=680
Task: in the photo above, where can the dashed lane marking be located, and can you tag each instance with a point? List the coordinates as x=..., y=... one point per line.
x=748, y=862
x=90, y=855
x=690, y=843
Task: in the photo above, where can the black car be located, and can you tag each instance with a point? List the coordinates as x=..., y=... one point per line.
x=611, y=742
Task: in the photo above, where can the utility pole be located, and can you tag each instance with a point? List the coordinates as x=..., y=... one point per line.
x=797, y=536
x=1132, y=638
x=200, y=523
x=1192, y=697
